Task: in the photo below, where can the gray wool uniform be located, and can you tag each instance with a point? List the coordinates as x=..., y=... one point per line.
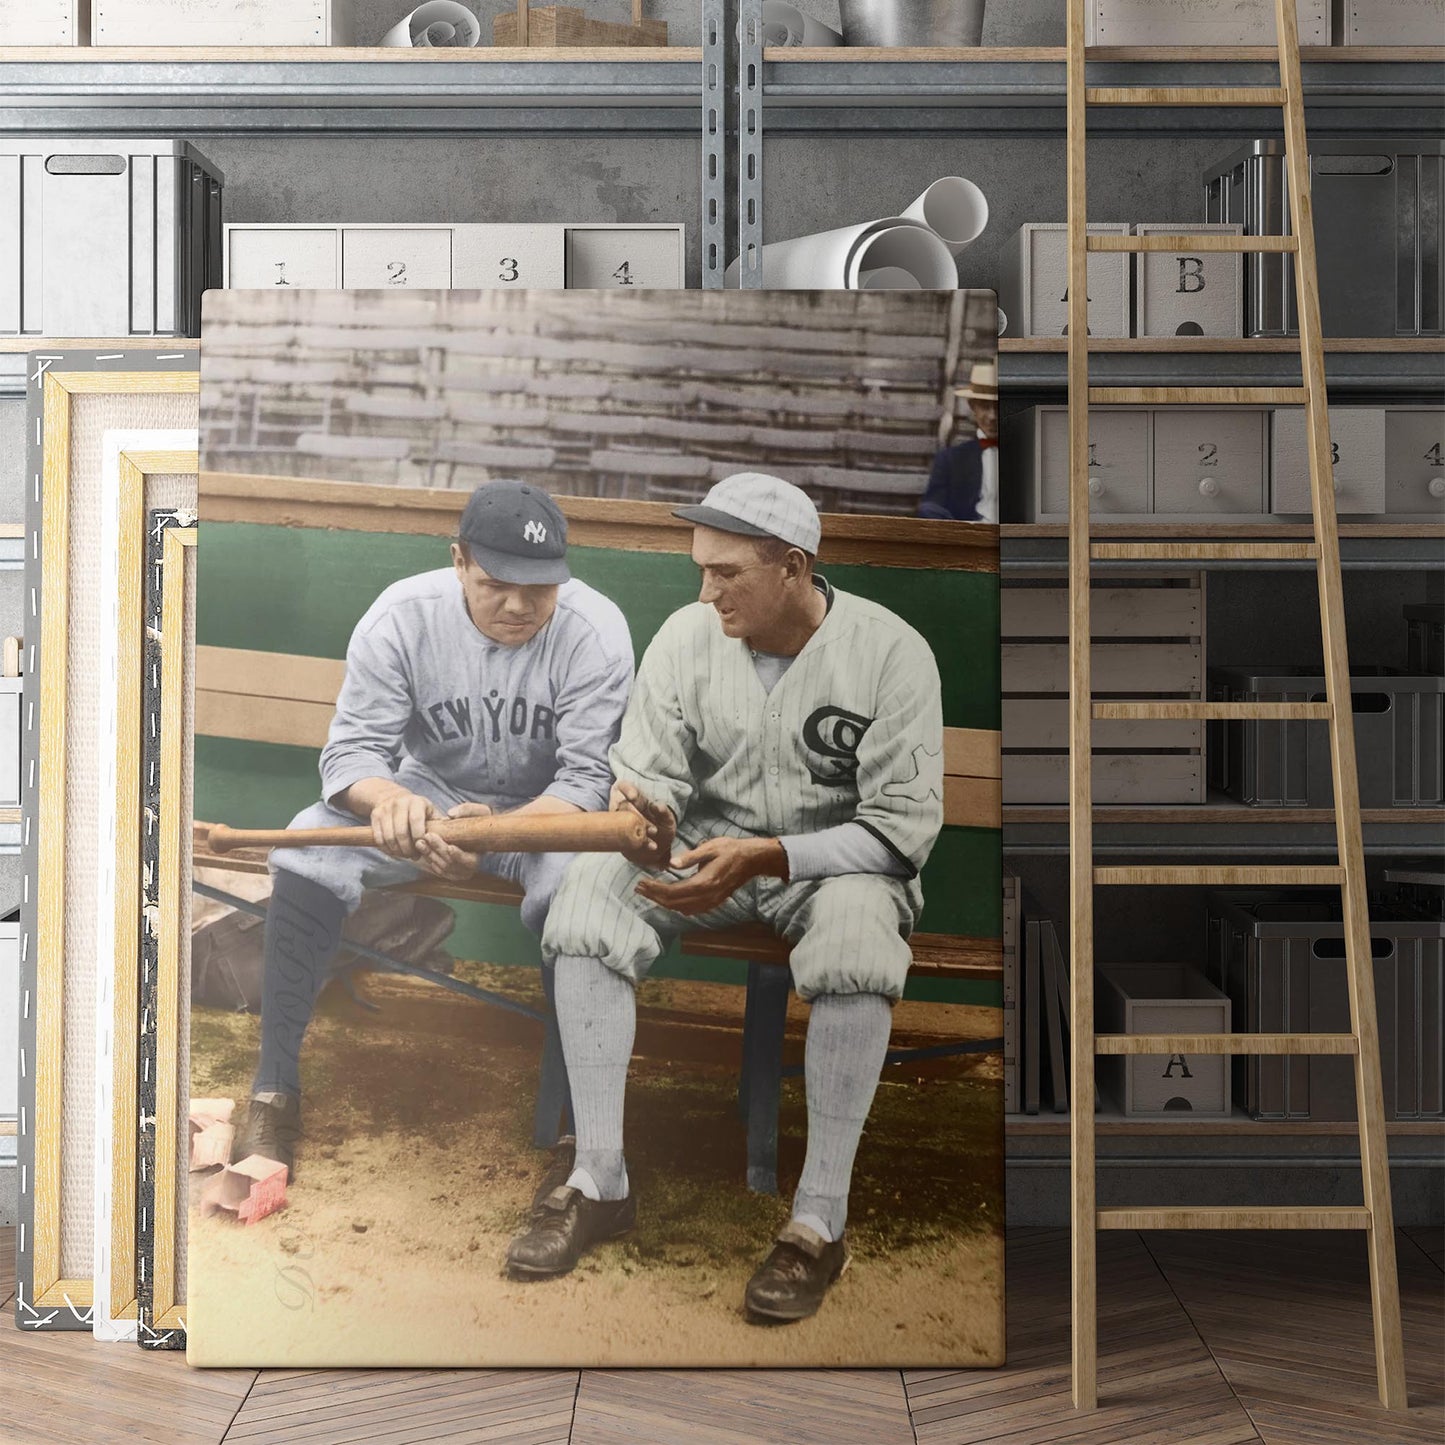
x=448, y=713
x=851, y=733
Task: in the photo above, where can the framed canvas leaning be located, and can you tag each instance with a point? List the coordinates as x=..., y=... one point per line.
x=75, y=400
x=510, y=1092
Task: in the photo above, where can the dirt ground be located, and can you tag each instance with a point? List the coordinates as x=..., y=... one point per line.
x=417, y=1169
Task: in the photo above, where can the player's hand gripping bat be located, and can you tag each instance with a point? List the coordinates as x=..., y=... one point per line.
x=500, y=833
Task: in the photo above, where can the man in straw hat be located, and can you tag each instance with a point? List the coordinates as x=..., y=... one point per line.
x=789, y=737
x=963, y=485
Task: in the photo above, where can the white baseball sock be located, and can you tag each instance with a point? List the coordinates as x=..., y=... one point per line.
x=847, y=1041
x=597, y=1019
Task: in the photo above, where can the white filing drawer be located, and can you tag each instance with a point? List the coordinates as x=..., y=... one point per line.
x=384, y=257
x=1357, y=446
x=1033, y=283
x=494, y=258
x=1389, y=22
x=305, y=257
x=615, y=255
x=1208, y=461
x=1202, y=22
x=1415, y=459
x=1189, y=293
x=42, y=22
x=221, y=22
x=1118, y=462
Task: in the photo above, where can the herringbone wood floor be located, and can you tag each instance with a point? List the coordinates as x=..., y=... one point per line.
x=1204, y=1340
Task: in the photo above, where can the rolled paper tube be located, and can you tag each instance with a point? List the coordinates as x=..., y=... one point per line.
x=887, y=278
x=907, y=246
x=786, y=25
x=437, y=25
x=954, y=209
x=1002, y=321
x=834, y=260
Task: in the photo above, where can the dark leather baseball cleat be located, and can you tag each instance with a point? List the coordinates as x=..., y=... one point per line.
x=791, y=1282
x=272, y=1130
x=564, y=1226
x=562, y=1160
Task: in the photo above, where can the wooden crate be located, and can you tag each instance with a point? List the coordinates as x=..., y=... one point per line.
x=1200, y=22
x=1389, y=22
x=54, y=22
x=558, y=25
x=1148, y=637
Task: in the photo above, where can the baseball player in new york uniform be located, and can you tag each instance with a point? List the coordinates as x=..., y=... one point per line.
x=788, y=737
x=494, y=684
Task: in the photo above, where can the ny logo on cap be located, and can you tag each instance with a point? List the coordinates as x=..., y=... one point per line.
x=534, y=532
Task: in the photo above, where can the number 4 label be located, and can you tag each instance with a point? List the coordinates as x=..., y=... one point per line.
x=623, y=274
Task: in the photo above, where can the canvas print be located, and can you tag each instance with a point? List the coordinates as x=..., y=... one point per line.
x=596, y=944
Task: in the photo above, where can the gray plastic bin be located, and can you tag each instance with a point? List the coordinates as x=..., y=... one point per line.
x=1425, y=637
x=1280, y=958
x=102, y=237
x=1376, y=208
x=1399, y=737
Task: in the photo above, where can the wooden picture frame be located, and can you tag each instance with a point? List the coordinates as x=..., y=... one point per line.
x=143, y=469
x=74, y=398
x=162, y=930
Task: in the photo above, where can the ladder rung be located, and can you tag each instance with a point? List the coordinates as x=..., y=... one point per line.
x=1222, y=1217
x=1226, y=1044
x=1212, y=710
x=1224, y=876
x=1198, y=395
x=1185, y=95
x=1206, y=551
x=1187, y=241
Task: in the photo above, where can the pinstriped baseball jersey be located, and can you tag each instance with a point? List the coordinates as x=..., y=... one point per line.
x=432, y=702
x=853, y=731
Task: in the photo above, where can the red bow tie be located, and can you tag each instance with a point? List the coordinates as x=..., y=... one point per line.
x=987, y=441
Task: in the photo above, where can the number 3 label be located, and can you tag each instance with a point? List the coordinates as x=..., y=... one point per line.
x=509, y=270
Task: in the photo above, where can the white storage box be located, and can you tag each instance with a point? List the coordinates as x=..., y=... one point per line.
x=1036, y=456
x=221, y=22
x=1208, y=461
x=600, y=256
x=1415, y=459
x=1201, y=22
x=1184, y=293
x=44, y=22
x=1152, y=998
x=1033, y=282
x=465, y=257
x=1389, y=22
x=1357, y=445
x=106, y=237
x=9, y=1020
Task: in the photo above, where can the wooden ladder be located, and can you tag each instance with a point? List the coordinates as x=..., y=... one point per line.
x=1375, y=1218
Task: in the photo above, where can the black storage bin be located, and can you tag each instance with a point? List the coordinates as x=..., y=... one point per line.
x=1376, y=205
x=1399, y=739
x=1280, y=958
x=1425, y=637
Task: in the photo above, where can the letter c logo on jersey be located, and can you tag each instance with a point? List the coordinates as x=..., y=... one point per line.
x=834, y=734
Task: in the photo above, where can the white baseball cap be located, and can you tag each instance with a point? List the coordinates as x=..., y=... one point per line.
x=754, y=504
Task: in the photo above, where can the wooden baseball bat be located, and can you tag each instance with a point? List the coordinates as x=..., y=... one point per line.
x=504, y=833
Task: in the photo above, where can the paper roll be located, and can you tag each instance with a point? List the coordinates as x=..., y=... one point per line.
x=1002, y=321
x=836, y=260
x=785, y=24
x=887, y=278
x=437, y=25
x=954, y=208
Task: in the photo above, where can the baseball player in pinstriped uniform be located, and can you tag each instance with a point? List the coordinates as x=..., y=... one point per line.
x=496, y=684
x=789, y=737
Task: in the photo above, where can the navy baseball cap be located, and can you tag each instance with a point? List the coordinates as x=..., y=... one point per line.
x=515, y=533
